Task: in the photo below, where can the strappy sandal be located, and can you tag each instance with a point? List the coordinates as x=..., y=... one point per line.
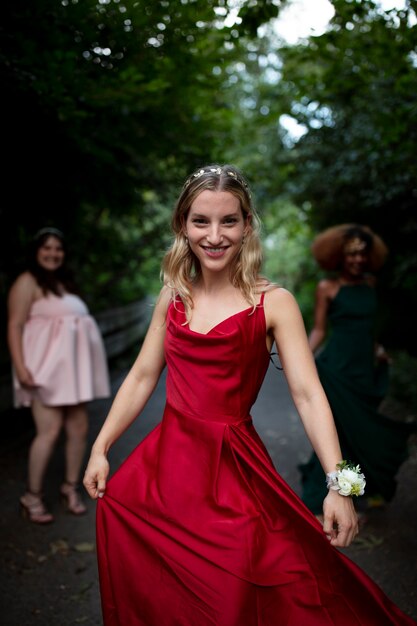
x=72, y=499
x=33, y=508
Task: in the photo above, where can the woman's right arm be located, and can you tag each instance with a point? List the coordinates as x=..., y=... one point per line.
x=322, y=301
x=131, y=398
x=20, y=299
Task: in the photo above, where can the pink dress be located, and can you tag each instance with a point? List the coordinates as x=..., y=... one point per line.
x=64, y=351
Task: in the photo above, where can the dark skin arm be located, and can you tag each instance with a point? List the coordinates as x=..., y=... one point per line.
x=325, y=292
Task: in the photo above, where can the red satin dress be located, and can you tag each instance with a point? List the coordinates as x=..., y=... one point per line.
x=197, y=528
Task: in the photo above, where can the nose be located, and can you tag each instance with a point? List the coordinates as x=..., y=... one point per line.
x=214, y=235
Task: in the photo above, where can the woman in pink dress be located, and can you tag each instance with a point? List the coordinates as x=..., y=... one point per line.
x=59, y=364
x=196, y=528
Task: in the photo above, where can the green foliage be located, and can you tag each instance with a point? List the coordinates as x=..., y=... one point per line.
x=105, y=103
x=403, y=382
x=288, y=262
x=353, y=89
x=133, y=266
x=109, y=104
x=358, y=105
x=255, y=13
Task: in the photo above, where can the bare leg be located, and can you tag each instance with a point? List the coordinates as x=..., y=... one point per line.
x=76, y=426
x=48, y=421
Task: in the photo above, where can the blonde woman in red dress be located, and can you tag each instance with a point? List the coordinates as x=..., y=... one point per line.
x=196, y=528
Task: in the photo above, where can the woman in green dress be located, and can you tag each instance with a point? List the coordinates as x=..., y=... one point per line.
x=353, y=368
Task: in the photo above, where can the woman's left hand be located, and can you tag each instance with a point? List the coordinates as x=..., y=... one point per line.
x=340, y=520
x=96, y=474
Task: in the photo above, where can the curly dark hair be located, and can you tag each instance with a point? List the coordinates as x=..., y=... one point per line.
x=357, y=232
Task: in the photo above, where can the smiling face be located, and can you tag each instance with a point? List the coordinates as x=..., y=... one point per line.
x=355, y=258
x=215, y=228
x=50, y=255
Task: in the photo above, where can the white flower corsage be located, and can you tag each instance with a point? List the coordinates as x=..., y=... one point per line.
x=347, y=479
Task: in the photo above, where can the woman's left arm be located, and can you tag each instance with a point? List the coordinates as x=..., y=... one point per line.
x=285, y=323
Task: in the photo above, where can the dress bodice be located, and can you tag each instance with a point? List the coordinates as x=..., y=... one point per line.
x=216, y=375
x=350, y=348
x=353, y=310
x=53, y=306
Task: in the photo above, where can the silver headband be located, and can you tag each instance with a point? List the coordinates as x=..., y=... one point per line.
x=218, y=171
x=49, y=230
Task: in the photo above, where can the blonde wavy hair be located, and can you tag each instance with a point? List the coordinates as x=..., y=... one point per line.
x=181, y=268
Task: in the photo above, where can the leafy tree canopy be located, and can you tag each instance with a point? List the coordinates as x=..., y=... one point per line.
x=352, y=93
x=107, y=104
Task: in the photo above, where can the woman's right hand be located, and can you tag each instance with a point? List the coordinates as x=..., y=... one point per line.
x=340, y=519
x=25, y=377
x=95, y=476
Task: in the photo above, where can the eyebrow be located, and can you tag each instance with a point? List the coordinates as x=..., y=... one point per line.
x=196, y=214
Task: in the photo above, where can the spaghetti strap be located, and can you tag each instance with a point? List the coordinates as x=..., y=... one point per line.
x=267, y=289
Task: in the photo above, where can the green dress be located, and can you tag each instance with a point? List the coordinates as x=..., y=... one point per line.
x=355, y=386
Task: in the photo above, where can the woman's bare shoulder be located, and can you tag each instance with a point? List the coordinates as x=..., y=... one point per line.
x=328, y=288
x=327, y=284
x=163, y=300
x=25, y=283
x=25, y=278
x=279, y=297
x=22, y=294
x=281, y=308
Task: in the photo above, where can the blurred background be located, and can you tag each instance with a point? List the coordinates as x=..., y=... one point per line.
x=109, y=104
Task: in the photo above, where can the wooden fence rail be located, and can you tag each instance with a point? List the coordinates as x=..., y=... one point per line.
x=124, y=326
x=121, y=328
